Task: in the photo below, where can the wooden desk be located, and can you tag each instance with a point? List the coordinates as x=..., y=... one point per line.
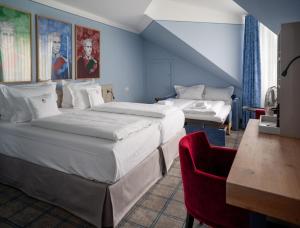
x=265, y=175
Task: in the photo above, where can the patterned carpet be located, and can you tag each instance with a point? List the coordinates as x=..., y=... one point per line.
x=162, y=206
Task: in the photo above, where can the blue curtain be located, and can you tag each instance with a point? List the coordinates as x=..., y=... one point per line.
x=251, y=67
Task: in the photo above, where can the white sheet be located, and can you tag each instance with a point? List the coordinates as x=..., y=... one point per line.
x=88, y=157
x=139, y=109
x=94, y=124
x=220, y=117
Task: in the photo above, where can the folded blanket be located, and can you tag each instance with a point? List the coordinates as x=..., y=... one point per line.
x=94, y=124
x=166, y=102
x=212, y=108
x=139, y=109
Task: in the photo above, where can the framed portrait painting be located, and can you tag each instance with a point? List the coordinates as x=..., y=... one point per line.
x=54, y=49
x=15, y=45
x=87, y=44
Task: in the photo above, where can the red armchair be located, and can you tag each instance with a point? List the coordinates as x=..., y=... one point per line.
x=204, y=171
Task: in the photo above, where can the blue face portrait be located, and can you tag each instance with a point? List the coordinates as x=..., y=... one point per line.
x=55, y=40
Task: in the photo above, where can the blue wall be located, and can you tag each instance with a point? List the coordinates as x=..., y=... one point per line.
x=187, y=53
x=126, y=57
x=220, y=43
x=182, y=72
x=121, y=52
x=272, y=13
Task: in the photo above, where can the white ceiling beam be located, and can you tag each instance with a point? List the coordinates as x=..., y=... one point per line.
x=211, y=11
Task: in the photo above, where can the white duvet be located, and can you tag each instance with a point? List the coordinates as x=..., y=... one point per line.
x=99, y=125
x=139, y=109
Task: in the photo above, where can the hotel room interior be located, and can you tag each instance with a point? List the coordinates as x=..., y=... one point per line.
x=150, y=113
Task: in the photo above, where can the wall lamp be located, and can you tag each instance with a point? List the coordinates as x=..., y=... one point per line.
x=284, y=73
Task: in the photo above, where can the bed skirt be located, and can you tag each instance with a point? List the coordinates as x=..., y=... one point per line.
x=101, y=204
x=170, y=150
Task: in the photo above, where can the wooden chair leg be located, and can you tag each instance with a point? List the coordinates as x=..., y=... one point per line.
x=189, y=221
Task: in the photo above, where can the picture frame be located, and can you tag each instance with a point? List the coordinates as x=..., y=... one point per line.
x=15, y=45
x=54, y=49
x=87, y=52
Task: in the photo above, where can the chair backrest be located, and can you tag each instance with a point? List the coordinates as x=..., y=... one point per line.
x=205, y=193
x=196, y=146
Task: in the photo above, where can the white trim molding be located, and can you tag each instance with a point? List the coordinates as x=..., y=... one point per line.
x=83, y=13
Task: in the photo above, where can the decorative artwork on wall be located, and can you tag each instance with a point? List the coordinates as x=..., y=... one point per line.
x=54, y=49
x=87, y=52
x=15, y=45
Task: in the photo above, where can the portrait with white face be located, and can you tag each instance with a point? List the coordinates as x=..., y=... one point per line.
x=88, y=47
x=87, y=52
x=54, y=49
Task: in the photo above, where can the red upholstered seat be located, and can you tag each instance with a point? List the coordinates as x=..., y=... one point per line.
x=204, y=171
x=259, y=112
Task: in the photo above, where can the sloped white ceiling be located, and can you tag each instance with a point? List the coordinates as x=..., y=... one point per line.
x=214, y=11
x=136, y=15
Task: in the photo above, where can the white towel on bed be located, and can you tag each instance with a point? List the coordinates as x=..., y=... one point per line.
x=93, y=124
x=202, y=105
x=166, y=102
x=212, y=108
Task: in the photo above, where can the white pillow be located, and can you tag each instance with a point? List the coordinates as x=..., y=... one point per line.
x=67, y=101
x=95, y=96
x=16, y=104
x=80, y=99
x=29, y=90
x=193, y=92
x=43, y=106
x=6, y=111
x=21, y=112
x=13, y=108
x=218, y=94
x=33, y=85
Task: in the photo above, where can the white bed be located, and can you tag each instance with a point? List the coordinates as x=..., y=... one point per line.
x=89, y=157
x=99, y=179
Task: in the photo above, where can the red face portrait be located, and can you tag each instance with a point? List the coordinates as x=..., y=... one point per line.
x=87, y=53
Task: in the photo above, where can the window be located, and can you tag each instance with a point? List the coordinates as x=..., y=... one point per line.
x=268, y=58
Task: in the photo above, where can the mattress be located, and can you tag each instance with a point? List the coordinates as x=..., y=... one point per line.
x=89, y=157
